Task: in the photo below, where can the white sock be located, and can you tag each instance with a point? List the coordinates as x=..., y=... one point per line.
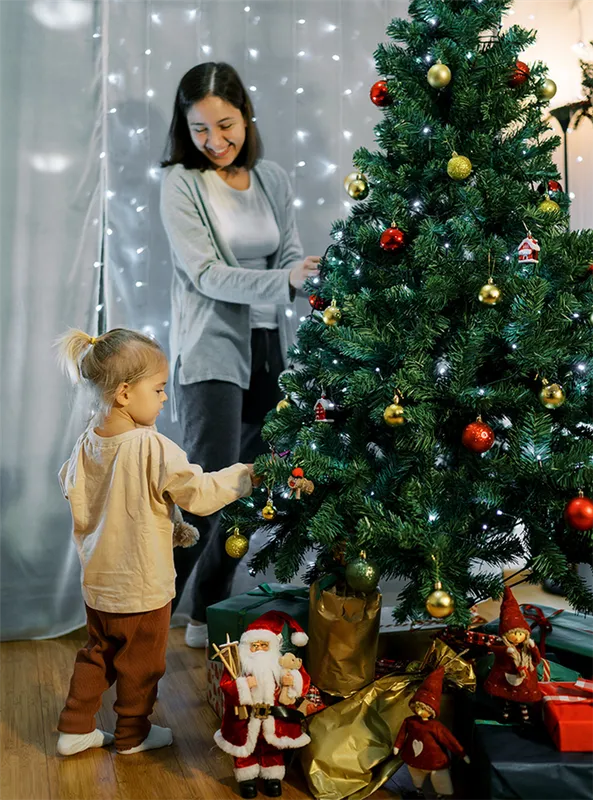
x=196, y=635
x=158, y=737
x=71, y=743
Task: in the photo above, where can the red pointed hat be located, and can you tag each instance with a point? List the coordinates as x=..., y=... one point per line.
x=510, y=614
x=270, y=626
x=429, y=692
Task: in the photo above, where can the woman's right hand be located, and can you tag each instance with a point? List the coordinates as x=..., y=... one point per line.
x=309, y=268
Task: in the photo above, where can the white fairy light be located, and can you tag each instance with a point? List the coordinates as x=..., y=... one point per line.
x=138, y=284
x=109, y=231
x=147, y=52
x=335, y=361
x=300, y=90
x=247, y=9
x=347, y=91
x=330, y=27
x=140, y=250
x=112, y=110
x=301, y=163
x=99, y=307
x=297, y=202
x=433, y=21
x=301, y=53
x=139, y=209
x=253, y=52
x=150, y=93
x=315, y=280
x=253, y=88
x=320, y=201
x=347, y=135
x=331, y=168
x=301, y=21
x=357, y=271
x=581, y=367
x=289, y=312
x=109, y=194
x=426, y=130
x=302, y=319
x=432, y=517
x=114, y=78
x=96, y=264
x=336, y=57
x=192, y=13
x=156, y=18
x=302, y=135
x=206, y=49
x=102, y=154
x=313, y=446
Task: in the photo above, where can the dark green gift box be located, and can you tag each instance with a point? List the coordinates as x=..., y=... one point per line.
x=232, y=616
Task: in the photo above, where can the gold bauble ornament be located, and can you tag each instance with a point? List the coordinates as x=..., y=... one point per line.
x=548, y=206
x=394, y=415
x=547, y=90
x=236, y=545
x=356, y=185
x=332, y=314
x=439, y=76
x=552, y=395
x=268, y=512
x=489, y=294
x=439, y=603
x=459, y=167
x=282, y=404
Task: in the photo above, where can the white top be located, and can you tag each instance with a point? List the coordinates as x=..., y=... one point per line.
x=122, y=490
x=247, y=222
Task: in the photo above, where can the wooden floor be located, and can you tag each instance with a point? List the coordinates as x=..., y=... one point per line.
x=34, y=682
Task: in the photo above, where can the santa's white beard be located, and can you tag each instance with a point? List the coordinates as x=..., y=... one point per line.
x=264, y=666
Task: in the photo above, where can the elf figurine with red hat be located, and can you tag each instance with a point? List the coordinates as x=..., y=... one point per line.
x=513, y=677
x=424, y=743
x=257, y=739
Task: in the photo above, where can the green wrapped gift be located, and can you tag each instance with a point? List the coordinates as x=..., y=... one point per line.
x=568, y=635
x=234, y=614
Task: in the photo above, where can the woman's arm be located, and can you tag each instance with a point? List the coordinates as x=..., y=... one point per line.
x=195, y=250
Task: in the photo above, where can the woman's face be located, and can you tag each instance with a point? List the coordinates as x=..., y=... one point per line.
x=217, y=129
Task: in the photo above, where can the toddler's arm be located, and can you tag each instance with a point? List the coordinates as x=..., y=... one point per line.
x=201, y=493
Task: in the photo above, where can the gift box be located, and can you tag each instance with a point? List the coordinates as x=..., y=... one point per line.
x=568, y=715
x=351, y=749
x=232, y=616
x=569, y=635
x=517, y=761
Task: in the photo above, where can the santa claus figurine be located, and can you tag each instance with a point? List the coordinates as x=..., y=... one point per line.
x=258, y=737
x=424, y=743
x=513, y=677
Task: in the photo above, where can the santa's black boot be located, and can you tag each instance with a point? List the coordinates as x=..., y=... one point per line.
x=272, y=787
x=248, y=789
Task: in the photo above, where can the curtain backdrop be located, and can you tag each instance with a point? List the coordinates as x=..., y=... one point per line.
x=88, y=90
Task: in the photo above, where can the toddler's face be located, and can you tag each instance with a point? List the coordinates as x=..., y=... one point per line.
x=147, y=397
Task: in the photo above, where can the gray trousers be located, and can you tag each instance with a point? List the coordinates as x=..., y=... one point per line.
x=221, y=425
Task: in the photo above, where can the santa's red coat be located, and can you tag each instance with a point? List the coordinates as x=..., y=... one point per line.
x=238, y=737
x=423, y=744
x=499, y=685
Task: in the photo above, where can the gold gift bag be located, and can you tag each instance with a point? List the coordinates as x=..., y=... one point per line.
x=343, y=639
x=351, y=749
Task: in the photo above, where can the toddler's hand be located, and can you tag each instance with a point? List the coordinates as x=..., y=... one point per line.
x=255, y=479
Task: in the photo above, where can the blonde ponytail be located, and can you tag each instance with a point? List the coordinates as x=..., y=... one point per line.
x=73, y=346
x=102, y=364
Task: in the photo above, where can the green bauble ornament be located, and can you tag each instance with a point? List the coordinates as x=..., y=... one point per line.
x=362, y=575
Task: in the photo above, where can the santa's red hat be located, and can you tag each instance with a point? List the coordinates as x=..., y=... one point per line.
x=269, y=627
x=511, y=617
x=429, y=692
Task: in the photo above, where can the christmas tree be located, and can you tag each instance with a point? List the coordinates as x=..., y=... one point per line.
x=438, y=412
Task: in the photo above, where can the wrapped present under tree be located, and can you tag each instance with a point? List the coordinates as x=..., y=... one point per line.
x=568, y=715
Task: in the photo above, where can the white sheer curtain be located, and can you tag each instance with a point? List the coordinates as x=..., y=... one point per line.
x=86, y=78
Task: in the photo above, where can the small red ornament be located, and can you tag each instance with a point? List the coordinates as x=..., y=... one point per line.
x=392, y=239
x=477, y=436
x=590, y=267
x=529, y=250
x=317, y=303
x=579, y=513
x=554, y=186
x=520, y=75
x=298, y=472
x=379, y=94
x=321, y=408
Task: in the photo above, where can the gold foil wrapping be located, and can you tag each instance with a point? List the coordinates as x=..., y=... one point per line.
x=351, y=750
x=343, y=639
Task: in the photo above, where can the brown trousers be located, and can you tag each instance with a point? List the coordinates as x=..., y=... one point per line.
x=126, y=649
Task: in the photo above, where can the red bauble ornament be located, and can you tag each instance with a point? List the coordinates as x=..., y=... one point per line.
x=379, y=94
x=579, y=513
x=550, y=187
x=392, y=239
x=317, y=303
x=520, y=75
x=477, y=436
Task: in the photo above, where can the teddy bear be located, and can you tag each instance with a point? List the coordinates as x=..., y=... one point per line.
x=184, y=534
x=288, y=662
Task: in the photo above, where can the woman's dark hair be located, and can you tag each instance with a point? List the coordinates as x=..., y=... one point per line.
x=219, y=80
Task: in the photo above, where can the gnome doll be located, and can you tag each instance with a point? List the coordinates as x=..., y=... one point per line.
x=424, y=743
x=513, y=677
x=256, y=739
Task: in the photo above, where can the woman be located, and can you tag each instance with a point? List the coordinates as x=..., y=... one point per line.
x=237, y=262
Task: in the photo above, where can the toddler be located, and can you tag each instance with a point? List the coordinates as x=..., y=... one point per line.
x=123, y=481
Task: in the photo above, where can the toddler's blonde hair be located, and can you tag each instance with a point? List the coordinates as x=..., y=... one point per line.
x=103, y=363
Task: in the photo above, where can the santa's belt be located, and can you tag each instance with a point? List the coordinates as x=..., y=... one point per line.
x=263, y=711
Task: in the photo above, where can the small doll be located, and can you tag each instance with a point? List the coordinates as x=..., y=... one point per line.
x=513, y=677
x=297, y=483
x=423, y=742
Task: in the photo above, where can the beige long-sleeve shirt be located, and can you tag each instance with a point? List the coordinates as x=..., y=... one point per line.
x=122, y=491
